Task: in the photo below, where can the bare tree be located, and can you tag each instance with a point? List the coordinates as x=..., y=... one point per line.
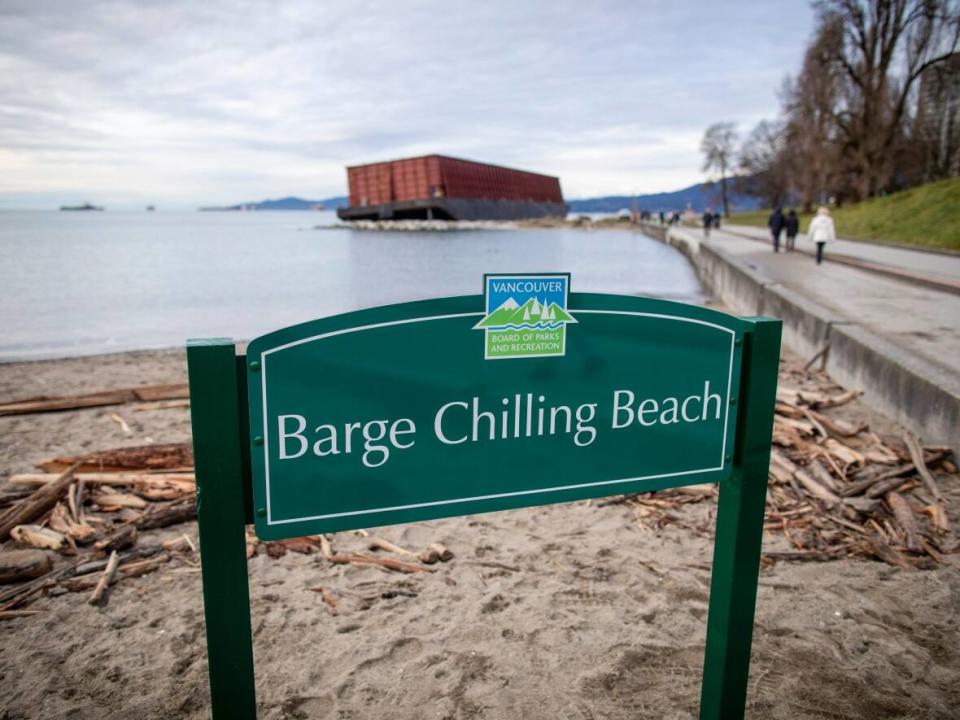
x=718, y=147
x=885, y=46
x=763, y=158
x=809, y=103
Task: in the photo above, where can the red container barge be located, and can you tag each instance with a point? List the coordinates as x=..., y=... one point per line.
x=446, y=188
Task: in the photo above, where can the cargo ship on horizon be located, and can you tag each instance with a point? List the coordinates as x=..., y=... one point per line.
x=86, y=207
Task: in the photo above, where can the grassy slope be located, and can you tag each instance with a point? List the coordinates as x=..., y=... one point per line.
x=927, y=215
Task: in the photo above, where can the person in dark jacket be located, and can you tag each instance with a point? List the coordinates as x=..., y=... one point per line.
x=707, y=222
x=792, y=226
x=775, y=222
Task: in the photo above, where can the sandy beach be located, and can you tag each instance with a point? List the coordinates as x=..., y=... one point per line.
x=584, y=610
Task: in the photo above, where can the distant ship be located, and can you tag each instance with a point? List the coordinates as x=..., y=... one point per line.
x=85, y=206
x=150, y=208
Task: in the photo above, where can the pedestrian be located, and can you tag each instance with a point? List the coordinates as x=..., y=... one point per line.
x=662, y=216
x=716, y=220
x=775, y=222
x=793, y=227
x=707, y=222
x=821, y=231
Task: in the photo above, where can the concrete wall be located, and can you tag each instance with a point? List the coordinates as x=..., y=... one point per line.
x=913, y=391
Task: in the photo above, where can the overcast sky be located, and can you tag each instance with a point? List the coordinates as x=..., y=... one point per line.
x=221, y=101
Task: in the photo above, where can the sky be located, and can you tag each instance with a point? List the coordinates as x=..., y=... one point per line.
x=181, y=104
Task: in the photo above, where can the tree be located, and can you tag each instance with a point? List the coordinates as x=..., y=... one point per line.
x=879, y=38
x=764, y=160
x=809, y=102
x=718, y=147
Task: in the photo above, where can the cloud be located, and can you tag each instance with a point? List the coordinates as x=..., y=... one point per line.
x=224, y=101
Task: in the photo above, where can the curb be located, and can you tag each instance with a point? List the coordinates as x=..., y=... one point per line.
x=911, y=390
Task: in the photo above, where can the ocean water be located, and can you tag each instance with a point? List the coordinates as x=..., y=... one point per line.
x=96, y=282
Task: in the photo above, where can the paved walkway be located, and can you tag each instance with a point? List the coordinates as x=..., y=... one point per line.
x=918, y=264
x=922, y=320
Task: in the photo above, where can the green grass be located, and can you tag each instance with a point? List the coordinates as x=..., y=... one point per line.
x=927, y=215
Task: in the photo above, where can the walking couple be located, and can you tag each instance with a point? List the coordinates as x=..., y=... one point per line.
x=821, y=229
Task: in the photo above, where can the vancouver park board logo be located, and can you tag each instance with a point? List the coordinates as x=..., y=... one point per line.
x=526, y=315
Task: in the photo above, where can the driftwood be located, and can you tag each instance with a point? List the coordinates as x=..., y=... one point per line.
x=98, y=399
x=38, y=537
x=388, y=563
x=916, y=454
x=109, y=573
x=376, y=543
x=161, y=405
x=112, y=500
x=132, y=555
x=36, y=504
x=821, y=355
x=835, y=426
x=904, y=515
x=10, y=614
x=352, y=559
x=443, y=552
x=181, y=543
x=171, y=456
x=121, y=539
x=822, y=475
x=836, y=489
x=328, y=597
x=168, y=515
x=142, y=567
x=139, y=480
x=11, y=495
x=124, y=427
x=19, y=565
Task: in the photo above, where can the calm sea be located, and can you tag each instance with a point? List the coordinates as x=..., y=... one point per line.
x=85, y=283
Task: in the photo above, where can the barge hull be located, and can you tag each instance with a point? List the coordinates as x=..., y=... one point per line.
x=455, y=209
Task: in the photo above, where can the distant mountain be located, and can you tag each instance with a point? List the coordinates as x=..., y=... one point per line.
x=697, y=197
x=288, y=203
x=531, y=312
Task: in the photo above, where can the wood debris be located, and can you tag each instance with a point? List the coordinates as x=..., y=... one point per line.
x=38, y=537
x=98, y=399
x=838, y=490
x=328, y=598
x=356, y=559
x=170, y=456
x=124, y=427
x=109, y=573
x=18, y=565
x=37, y=503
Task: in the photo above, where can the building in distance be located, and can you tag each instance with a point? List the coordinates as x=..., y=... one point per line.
x=938, y=118
x=437, y=187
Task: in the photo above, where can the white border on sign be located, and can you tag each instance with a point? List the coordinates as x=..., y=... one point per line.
x=452, y=501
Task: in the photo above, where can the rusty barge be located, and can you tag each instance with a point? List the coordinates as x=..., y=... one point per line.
x=438, y=187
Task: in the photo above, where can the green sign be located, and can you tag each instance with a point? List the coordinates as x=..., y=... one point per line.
x=526, y=394
x=398, y=414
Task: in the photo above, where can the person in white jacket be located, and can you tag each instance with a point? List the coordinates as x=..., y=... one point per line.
x=821, y=231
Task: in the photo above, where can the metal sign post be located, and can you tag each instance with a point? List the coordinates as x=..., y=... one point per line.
x=359, y=420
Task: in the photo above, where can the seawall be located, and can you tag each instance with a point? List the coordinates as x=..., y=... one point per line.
x=915, y=392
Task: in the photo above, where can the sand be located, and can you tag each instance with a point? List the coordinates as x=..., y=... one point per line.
x=567, y=611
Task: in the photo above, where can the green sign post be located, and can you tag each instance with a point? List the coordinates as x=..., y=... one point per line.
x=526, y=395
